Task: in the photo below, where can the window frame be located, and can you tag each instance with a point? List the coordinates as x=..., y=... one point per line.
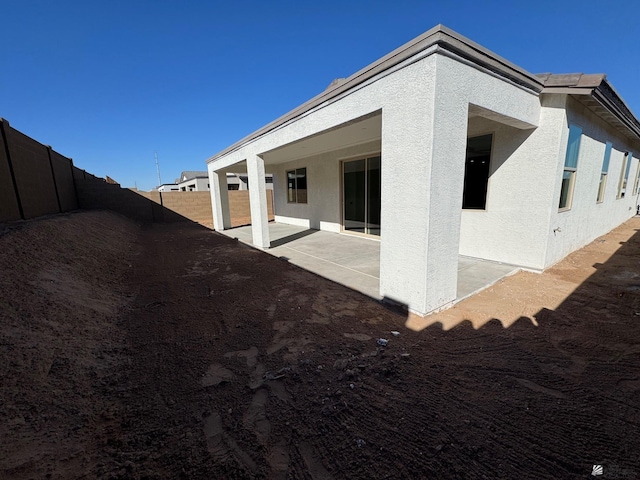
x=295, y=189
x=491, y=134
x=604, y=173
x=624, y=175
x=570, y=165
x=636, y=183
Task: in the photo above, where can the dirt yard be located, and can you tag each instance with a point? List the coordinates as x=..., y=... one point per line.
x=173, y=352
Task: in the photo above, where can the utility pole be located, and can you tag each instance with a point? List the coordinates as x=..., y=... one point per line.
x=158, y=170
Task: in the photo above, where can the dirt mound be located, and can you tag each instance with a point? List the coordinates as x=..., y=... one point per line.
x=209, y=359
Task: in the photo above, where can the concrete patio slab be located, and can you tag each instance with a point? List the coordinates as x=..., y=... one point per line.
x=355, y=261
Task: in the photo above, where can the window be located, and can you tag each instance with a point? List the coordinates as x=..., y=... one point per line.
x=297, y=185
x=636, y=185
x=233, y=186
x=624, y=174
x=605, y=170
x=476, y=172
x=570, y=167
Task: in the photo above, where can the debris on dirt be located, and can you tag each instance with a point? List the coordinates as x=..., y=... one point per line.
x=382, y=342
x=395, y=333
x=276, y=375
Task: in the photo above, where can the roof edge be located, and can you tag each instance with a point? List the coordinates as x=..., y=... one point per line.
x=599, y=88
x=437, y=36
x=609, y=99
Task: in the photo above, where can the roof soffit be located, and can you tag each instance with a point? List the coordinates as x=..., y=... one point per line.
x=597, y=94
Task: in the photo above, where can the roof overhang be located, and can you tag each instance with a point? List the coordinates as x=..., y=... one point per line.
x=439, y=39
x=597, y=94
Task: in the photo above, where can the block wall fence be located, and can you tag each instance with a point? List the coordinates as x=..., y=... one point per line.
x=35, y=180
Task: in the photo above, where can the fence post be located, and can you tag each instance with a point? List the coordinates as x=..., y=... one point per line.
x=53, y=175
x=13, y=175
x=75, y=187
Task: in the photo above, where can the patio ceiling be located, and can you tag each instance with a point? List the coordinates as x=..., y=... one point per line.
x=355, y=132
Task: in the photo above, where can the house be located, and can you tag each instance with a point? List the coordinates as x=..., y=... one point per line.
x=193, y=181
x=198, y=181
x=168, y=187
x=439, y=149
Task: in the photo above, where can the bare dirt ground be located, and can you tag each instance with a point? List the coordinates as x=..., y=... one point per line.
x=173, y=352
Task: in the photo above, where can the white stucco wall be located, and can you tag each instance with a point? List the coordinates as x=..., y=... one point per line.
x=406, y=100
x=587, y=219
x=514, y=226
x=323, y=208
x=424, y=104
x=167, y=187
x=201, y=185
x=459, y=85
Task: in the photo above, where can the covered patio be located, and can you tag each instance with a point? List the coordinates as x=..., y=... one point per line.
x=384, y=153
x=354, y=261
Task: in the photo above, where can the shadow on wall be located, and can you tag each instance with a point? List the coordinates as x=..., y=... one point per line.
x=147, y=207
x=160, y=207
x=576, y=291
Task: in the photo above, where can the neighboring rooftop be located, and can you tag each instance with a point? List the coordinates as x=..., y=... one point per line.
x=191, y=174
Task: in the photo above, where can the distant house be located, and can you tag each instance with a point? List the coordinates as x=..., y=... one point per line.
x=193, y=181
x=443, y=148
x=168, y=187
x=198, y=181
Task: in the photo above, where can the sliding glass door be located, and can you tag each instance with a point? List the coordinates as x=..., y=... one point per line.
x=361, y=195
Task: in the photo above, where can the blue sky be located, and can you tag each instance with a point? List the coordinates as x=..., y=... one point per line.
x=109, y=83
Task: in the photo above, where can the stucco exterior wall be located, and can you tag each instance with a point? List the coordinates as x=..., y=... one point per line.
x=406, y=99
x=323, y=208
x=458, y=86
x=523, y=166
x=201, y=185
x=587, y=219
x=424, y=104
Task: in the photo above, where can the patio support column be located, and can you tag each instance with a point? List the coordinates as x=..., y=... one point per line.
x=423, y=156
x=258, y=202
x=220, y=200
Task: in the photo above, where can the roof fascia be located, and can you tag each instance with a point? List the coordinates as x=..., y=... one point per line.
x=606, y=96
